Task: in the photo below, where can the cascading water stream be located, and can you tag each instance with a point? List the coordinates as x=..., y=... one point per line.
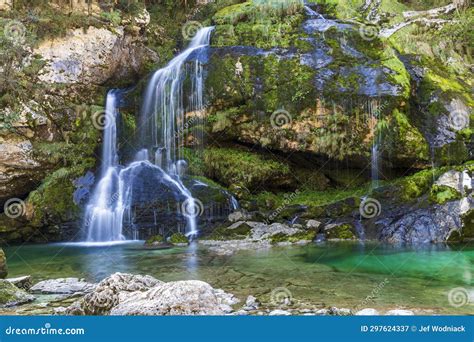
x=374, y=109
x=312, y=13
x=104, y=212
x=163, y=116
x=162, y=121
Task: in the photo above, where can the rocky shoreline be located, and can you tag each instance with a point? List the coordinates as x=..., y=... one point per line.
x=123, y=294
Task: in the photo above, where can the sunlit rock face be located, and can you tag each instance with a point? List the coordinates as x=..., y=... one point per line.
x=94, y=56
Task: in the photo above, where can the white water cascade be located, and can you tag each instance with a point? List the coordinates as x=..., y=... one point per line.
x=163, y=129
x=104, y=212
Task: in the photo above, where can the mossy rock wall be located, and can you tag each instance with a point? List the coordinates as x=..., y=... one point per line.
x=328, y=93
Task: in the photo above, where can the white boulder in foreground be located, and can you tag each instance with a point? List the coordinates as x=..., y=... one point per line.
x=126, y=294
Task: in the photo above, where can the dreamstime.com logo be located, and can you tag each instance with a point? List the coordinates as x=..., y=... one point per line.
x=280, y=118
x=14, y=208
x=190, y=29
x=370, y=208
x=281, y=296
x=46, y=330
x=192, y=207
x=459, y=296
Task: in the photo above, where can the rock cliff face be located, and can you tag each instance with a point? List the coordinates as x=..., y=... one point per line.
x=93, y=56
x=304, y=83
x=49, y=137
x=296, y=101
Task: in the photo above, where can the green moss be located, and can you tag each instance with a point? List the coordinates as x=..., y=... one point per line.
x=343, y=231
x=308, y=235
x=3, y=264
x=441, y=194
x=156, y=239
x=313, y=199
x=195, y=161
x=242, y=168
x=454, y=153
x=418, y=184
x=263, y=26
x=241, y=232
x=10, y=294
x=400, y=76
x=409, y=143
x=178, y=238
x=468, y=226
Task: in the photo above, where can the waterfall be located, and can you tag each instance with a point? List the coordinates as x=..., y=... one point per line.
x=163, y=118
x=374, y=110
x=104, y=212
x=163, y=129
x=312, y=13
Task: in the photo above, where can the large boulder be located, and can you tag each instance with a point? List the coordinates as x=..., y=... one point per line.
x=127, y=294
x=108, y=292
x=10, y=295
x=190, y=297
x=435, y=224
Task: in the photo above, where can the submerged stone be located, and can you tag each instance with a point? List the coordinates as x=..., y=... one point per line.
x=62, y=286
x=10, y=295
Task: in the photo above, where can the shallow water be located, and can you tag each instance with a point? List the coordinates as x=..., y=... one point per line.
x=351, y=275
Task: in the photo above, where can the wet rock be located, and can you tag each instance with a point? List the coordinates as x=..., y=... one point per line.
x=230, y=247
x=367, y=312
x=239, y=216
x=10, y=295
x=459, y=181
x=108, y=292
x=241, y=313
x=427, y=225
x=340, y=231
x=251, y=303
x=322, y=312
x=63, y=286
x=313, y=224
x=399, y=313
x=279, y=313
x=190, y=297
x=3, y=265
x=264, y=231
x=339, y=312
x=23, y=283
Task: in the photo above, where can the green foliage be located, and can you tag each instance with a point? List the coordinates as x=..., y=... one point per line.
x=401, y=76
x=343, y=231
x=240, y=232
x=408, y=142
x=241, y=168
x=308, y=235
x=113, y=17
x=156, y=239
x=441, y=194
x=178, y=238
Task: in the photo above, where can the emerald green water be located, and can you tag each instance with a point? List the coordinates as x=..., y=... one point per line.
x=331, y=274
